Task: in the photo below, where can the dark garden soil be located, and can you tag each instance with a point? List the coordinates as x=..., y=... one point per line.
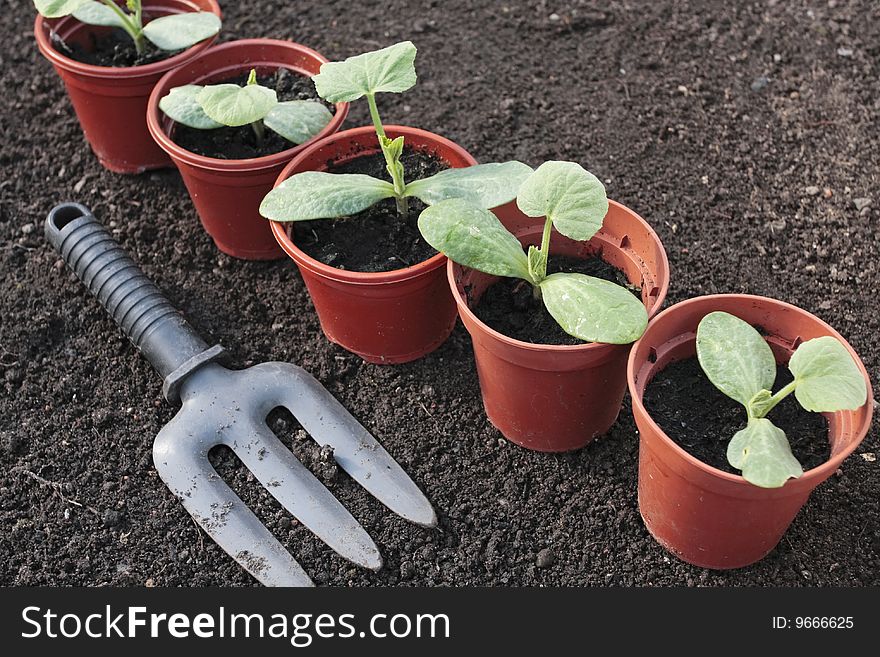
x=377, y=239
x=241, y=142
x=700, y=418
x=114, y=48
x=748, y=134
x=510, y=308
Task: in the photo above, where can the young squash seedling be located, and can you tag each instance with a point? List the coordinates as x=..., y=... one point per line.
x=321, y=195
x=740, y=363
x=173, y=32
x=574, y=203
x=214, y=106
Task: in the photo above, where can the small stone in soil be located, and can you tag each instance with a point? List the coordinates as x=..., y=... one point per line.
x=407, y=570
x=111, y=518
x=545, y=559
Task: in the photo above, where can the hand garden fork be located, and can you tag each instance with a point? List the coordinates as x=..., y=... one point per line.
x=229, y=407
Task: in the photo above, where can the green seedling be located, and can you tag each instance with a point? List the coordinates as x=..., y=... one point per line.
x=173, y=32
x=214, y=106
x=321, y=195
x=740, y=363
x=574, y=203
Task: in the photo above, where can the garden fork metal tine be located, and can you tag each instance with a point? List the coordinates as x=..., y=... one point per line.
x=354, y=448
x=181, y=459
x=306, y=498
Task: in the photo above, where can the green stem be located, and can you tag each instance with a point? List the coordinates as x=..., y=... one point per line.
x=778, y=397
x=374, y=114
x=259, y=130
x=131, y=24
x=391, y=163
x=545, y=244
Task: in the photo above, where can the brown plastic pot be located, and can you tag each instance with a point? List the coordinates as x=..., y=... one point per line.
x=554, y=398
x=386, y=317
x=702, y=515
x=111, y=102
x=227, y=193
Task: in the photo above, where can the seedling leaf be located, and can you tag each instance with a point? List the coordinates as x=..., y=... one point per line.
x=827, y=377
x=473, y=237
x=179, y=31
x=59, y=8
x=593, y=309
x=181, y=105
x=320, y=195
x=737, y=360
x=390, y=69
x=482, y=185
x=569, y=195
x=298, y=120
x=762, y=453
x=96, y=13
x=233, y=105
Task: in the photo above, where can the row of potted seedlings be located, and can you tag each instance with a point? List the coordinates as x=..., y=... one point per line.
x=744, y=404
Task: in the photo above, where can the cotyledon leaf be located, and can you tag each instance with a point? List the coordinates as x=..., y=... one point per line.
x=826, y=376
x=473, y=237
x=737, y=360
x=761, y=451
x=97, y=13
x=59, y=8
x=390, y=69
x=569, y=195
x=181, y=105
x=320, y=195
x=482, y=185
x=593, y=309
x=233, y=105
x=298, y=120
x=179, y=31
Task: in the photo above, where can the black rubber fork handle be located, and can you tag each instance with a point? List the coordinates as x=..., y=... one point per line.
x=147, y=318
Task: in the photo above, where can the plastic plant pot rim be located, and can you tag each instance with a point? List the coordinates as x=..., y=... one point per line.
x=154, y=114
x=354, y=277
x=559, y=348
x=42, y=30
x=812, y=477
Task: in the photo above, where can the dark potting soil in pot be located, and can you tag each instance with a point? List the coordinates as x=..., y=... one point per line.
x=241, y=143
x=510, y=308
x=702, y=420
x=113, y=49
x=377, y=239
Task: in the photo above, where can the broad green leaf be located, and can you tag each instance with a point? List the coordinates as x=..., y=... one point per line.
x=482, y=185
x=827, y=377
x=594, y=310
x=298, y=120
x=181, y=105
x=179, y=31
x=473, y=237
x=321, y=195
x=761, y=451
x=97, y=13
x=537, y=264
x=737, y=360
x=390, y=69
x=232, y=105
x=572, y=197
x=59, y=8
